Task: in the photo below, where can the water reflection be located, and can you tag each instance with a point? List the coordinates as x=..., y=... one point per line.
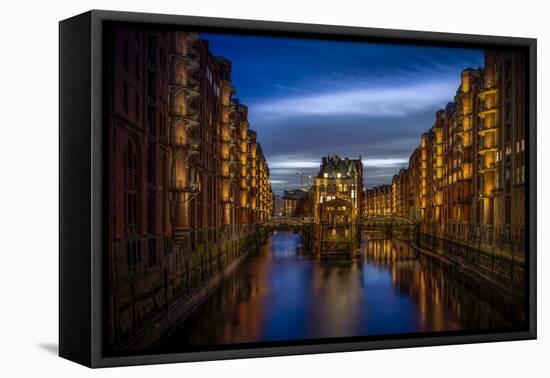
x=281, y=294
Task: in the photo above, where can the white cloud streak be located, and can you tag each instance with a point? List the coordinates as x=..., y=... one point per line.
x=293, y=164
x=290, y=164
x=389, y=101
x=383, y=163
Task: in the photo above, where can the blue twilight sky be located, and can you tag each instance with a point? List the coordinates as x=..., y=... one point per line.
x=310, y=98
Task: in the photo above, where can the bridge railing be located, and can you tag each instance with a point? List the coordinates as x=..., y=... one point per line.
x=287, y=221
x=387, y=220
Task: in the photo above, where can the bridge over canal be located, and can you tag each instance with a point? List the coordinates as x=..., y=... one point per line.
x=294, y=225
x=306, y=229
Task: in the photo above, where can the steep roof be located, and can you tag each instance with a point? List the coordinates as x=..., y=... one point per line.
x=333, y=165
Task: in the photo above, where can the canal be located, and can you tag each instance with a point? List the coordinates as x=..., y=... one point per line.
x=280, y=293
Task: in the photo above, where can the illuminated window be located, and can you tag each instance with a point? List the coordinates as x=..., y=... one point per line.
x=508, y=150
x=339, y=175
x=325, y=175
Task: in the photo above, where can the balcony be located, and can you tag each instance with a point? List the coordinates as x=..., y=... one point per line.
x=487, y=168
x=186, y=55
x=188, y=143
x=228, y=108
x=189, y=86
x=497, y=191
x=487, y=149
x=229, y=159
x=459, y=147
x=193, y=144
x=464, y=117
x=193, y=83
x=187, y=187
x=193, y=54
x=188, y=116
x=227, y=176
x=461, y=130
x=482, y=195
x=487, y=129
x=229, y=125
x=192, y=113
x=178, y=142
x=487, y=110
x=487, y=91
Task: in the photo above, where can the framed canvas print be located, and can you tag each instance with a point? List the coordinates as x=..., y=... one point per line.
x=233, y=188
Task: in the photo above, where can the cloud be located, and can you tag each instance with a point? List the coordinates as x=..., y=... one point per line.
x=384, y=101
x=289, y=163
x=310, y=98
x=280, y=164
x=383, y=163
x=285, y=170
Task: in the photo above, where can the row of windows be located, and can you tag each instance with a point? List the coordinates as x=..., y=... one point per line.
x=131, y=188
x=213, y=84
x=331, y=188
x=151, y=112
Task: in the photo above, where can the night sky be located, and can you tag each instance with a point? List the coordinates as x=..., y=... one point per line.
x=312, y=98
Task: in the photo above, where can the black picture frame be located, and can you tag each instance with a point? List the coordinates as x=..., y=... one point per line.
x=82, y=204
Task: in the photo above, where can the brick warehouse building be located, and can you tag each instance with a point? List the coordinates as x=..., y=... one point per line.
x=188, y=179
x=466, y=180
x=337, y=200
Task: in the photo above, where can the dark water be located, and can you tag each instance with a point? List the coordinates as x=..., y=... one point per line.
x=282, y=294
